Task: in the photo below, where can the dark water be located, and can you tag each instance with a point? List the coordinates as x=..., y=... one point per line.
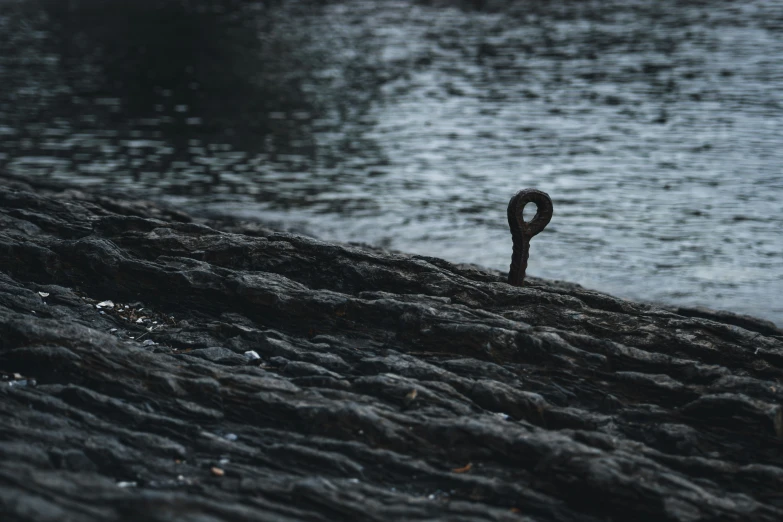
x=656, y=126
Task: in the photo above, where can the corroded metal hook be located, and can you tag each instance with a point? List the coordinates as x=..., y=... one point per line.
x=522, y=231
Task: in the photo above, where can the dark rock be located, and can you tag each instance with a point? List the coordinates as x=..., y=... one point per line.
x=387, y=386
x=218, y=355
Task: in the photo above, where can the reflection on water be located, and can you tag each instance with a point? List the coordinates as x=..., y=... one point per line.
x=654, y=125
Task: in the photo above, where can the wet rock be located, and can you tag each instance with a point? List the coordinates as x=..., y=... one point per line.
x=295, y=379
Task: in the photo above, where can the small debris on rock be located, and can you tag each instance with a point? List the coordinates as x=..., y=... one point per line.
x=218, y=472
x=252, y=355
x=23, y=382
x=410, y=397
x=105, y=304
x=43, y=294
x=126, y=484
x=463, y=469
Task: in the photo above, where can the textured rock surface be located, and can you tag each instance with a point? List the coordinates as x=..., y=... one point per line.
x=170, y=370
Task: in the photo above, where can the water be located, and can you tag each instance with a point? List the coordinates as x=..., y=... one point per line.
x=656, y=127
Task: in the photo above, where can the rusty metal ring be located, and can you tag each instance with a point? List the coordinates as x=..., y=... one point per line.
x=522, y=231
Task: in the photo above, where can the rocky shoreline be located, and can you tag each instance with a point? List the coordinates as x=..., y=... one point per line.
x=162, y=367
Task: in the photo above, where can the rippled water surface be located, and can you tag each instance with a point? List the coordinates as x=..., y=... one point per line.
x=656, y=127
